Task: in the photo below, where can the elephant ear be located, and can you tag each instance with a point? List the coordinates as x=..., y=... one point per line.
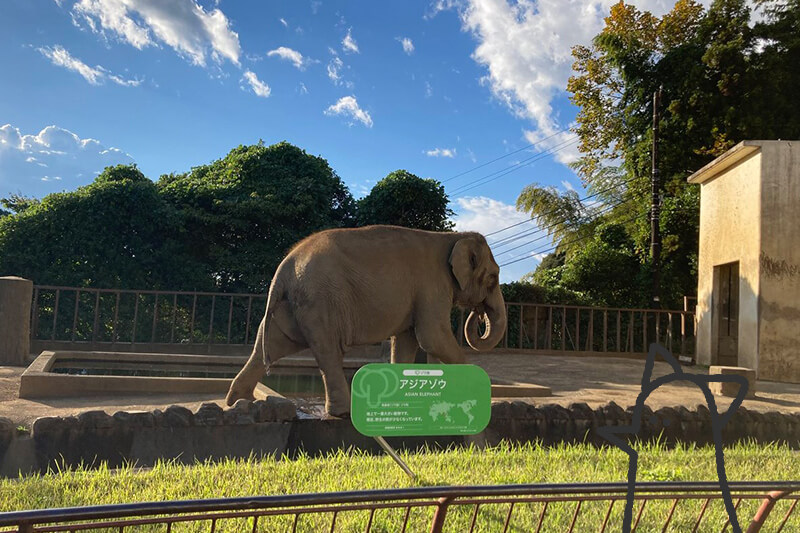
x=463, y=259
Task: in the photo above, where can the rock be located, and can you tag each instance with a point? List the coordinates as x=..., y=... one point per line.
x=95, y=420
x=158, y=418
x=242, y=413
x=280, y=409
x=209, y=414
x=501, y=410
x=48, y=425
x=135, y=419
x=8, y=431
x=178, y=416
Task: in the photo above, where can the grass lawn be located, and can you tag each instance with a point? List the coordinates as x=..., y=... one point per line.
x=356, y=471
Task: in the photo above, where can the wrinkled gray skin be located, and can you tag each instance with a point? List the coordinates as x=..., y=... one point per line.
x=347, y=287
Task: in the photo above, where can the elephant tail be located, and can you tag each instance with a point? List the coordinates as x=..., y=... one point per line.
x=275, y=295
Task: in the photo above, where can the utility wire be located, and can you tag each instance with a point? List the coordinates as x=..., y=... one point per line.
x=512, y=168
x=596, y=216
x=504, y=156
x=505, y=171
x=552, y=211
x=553, y=248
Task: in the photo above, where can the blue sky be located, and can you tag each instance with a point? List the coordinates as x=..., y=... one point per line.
x=437, y=87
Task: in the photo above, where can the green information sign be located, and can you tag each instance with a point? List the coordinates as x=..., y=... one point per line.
x=413, y=400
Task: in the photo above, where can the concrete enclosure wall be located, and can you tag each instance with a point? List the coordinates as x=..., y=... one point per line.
x=729, y=231
x=779, y=295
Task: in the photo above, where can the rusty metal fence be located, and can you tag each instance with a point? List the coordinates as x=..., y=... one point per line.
x=660, y=506
x=582, y=330
x=70, y=318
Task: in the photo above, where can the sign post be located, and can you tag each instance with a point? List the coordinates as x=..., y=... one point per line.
x=392, y=400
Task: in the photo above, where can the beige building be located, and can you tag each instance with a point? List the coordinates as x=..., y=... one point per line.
x=748, y=291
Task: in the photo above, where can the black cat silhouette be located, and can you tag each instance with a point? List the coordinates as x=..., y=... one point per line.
x=615, y=434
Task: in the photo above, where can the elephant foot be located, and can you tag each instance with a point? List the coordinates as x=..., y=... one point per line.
x=237, y=392
x=328, y=416
x=337, y=411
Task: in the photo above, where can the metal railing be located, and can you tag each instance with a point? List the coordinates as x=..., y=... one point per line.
x=144, y=320
x=661, y=506
x=582, y=330
x=223, y=323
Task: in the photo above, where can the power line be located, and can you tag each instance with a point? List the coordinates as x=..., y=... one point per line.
x=503, y=172
x=553, y=248
x=512, y=168
x=504, y=156
x=597, y=215
x=552, y=211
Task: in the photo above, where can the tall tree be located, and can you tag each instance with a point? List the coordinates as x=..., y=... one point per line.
x=243, y=212
x=723, y=80
x=403, y=199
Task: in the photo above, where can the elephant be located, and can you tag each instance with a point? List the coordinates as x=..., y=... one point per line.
x=355, y=286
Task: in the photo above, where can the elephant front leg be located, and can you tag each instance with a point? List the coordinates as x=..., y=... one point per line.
x=435, y=335
x=441, y=344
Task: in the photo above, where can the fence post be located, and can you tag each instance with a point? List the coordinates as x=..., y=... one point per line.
x=440, y=514
x=764, y=510
x=16, y=295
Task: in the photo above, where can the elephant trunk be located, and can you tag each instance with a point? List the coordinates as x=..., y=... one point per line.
x=493, y=312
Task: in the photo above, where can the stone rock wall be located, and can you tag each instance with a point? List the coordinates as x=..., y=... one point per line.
x=271, y=428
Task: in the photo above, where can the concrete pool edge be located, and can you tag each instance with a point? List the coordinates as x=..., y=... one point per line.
x=40, y=381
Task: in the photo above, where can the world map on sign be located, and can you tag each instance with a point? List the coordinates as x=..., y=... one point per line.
x=443, y=409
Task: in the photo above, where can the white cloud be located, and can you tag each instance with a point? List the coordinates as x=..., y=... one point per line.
x=288, y=54
x=303, y=89
x=525, y=47
x=183, y=25
x=60, y=57
x=52, y=160
x=408, y=45
x=348, y=107
x=438, y=6
x=428, y=89
x=335, y=67
x=487, y=215
x=97, y=75
x=259, y=87
x=349, y=44
x=441, y=152
x=283, y=21
x=567, y=185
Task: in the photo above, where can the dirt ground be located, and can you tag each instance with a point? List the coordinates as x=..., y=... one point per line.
x=593, y=380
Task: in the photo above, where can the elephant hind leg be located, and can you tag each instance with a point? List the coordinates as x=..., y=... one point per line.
x=330, y=358
x=404, y=347
x=277, y=344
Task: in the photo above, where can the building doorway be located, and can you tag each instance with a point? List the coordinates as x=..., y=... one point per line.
x=726, y=279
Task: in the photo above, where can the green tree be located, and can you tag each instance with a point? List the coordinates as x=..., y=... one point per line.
x=242, y=213
x=403, y=199
x=606, y=269
x=17, y=203
x=114, y=233
x=722, y=81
